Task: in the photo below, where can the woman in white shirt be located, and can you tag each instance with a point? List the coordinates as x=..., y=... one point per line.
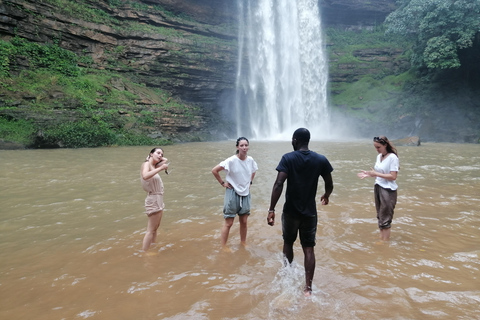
x=385, y=173
x=240, y=170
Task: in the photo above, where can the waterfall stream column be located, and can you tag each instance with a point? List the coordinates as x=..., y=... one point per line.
x=282, y=69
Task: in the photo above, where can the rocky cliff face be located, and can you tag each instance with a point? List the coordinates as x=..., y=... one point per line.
x=210, y=12
x=195, y=70
x=354, y=14
x=194, y=60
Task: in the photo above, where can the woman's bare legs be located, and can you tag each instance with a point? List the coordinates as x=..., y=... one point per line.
x=243, y=228
x=226, y=230
x=152, y=227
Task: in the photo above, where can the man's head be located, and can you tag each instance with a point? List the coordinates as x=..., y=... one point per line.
x=301, y=137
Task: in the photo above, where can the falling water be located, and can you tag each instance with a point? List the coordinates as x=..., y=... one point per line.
x=282, y=73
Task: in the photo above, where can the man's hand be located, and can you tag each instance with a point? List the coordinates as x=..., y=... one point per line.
x=324, y=200
x=271, y=218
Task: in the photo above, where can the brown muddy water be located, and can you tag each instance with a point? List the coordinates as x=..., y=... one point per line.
x=72, y=223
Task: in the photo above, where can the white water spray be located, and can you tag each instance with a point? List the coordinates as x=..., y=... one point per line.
x=282, y=70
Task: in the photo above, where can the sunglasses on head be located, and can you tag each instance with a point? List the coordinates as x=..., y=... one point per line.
x=378, y=139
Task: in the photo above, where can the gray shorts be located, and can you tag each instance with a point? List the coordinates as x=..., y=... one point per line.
x=385, y=201
x=234, y=204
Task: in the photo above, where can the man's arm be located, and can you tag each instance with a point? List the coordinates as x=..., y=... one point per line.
x=327, y=178
x=276, y=193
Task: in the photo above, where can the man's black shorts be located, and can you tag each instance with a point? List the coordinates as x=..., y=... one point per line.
x=293, y=224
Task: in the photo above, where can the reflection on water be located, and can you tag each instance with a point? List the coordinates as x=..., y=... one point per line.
x=71, y=226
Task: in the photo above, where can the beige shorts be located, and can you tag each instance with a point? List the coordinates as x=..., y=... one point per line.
x=153, y=204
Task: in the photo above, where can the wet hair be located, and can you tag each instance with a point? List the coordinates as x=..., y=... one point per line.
x=302, y=135
x=152, y=151
x=384, y=141
x=240, y=139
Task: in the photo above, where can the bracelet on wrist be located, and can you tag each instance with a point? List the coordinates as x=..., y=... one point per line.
x=270, y=211
x=222, y=183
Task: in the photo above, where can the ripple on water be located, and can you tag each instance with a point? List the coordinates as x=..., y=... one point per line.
x=471, y=257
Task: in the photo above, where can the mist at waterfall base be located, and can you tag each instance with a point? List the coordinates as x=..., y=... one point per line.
x=281, y=81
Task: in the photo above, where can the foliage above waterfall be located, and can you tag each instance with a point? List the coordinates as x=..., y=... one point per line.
x=441, y=29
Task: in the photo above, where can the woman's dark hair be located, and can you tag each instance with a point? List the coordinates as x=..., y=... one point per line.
x=384, y=141
x=240, y=139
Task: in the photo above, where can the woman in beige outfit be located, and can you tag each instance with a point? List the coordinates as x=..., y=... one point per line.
x=152, y=183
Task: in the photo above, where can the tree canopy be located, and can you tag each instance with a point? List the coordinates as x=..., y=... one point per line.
x=440, y=29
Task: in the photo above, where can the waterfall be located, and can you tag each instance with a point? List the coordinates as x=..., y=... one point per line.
x=282, y=70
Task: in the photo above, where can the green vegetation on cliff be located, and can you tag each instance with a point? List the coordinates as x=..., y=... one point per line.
x=368, y=69
x=98, y=107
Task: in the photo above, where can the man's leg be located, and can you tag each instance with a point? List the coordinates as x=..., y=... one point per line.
x=309, y=269
x=288, y=251
x=385, y=234
x=289, y=234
